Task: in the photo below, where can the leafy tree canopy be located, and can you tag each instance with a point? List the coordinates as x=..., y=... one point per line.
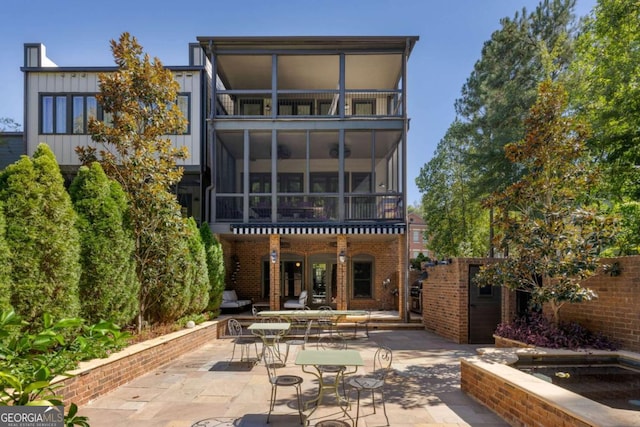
x=548, y=219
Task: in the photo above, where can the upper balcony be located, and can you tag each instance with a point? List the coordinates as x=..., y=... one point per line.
x=308, y=77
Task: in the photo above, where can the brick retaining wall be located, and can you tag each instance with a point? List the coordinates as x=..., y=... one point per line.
x=513, y=404
x=615, y=311
x=97, y=377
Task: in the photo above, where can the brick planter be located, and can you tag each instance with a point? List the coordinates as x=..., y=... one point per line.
x=501, y=342
x=97, y=377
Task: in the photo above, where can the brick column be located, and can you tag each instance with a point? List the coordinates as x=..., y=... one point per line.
x=403, y=270
x=274, y=272
x=341, y=277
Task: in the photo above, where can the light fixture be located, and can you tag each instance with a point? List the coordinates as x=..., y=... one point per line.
x=274, y=256
x=284, y=152
x=342, y=257
x=334, y=151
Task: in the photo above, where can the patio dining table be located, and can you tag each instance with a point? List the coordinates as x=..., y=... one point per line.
x=297, y=316
x=270, y=333
x=311, y=314
x=316, y=359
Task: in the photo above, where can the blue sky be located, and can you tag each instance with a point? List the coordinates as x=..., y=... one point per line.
x=452, y=32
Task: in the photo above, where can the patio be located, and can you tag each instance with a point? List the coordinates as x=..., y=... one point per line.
x=204, y=389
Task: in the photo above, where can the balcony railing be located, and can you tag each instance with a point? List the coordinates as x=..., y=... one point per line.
x=315, y=104
x=298, y=207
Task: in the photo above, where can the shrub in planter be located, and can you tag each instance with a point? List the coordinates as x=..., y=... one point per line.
x=536, y=329
x=30, y=358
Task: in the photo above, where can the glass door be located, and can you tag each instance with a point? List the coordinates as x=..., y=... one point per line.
x=291, y=278
x=324, y=283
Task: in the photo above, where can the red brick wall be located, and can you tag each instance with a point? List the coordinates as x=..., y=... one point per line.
x=616, y=311
x=515, y=405
x=445, y=295
x=100, y=376
x=387, y=252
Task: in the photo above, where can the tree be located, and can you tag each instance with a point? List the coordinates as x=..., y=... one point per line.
x=42, y=236
x=456, y=223
x=5, y=265
x=605, y=89
x=140, y=97
x=215, y=267
x=549, y=219
x=108, y=286
x=10, y=125
x=496, y=98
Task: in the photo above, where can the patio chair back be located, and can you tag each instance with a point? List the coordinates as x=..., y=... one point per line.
x=332, y=342
x=234, y=327
x=382, y=362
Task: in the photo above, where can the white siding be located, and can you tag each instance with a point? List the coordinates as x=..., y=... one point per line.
x=63, y=146
x=190, y=83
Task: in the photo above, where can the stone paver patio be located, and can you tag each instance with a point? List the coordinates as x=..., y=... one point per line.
x=203, y=389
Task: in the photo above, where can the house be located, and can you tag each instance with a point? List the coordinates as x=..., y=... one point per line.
x=298, y=158
x=11, y=148
x=417, y=237
x=59, y=101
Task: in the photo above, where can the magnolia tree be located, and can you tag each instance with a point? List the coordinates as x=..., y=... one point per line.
x=550, y=224
x=140, y=99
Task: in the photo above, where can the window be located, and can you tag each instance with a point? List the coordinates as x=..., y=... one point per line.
x=364, y=107
x=417, y=236
x=288, y=107
x=71, y=113
x=324, y=108
x=362, y=279
x=62, y=114
x=324, y=182
x=251, y=107
x=183, y=102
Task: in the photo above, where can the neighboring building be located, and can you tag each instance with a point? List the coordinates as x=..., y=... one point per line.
x=417, y=236
x=11, y=148
x=298, y=153
x=60, y=100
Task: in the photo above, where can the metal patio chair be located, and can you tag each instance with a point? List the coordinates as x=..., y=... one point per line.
x=375, y=381
x=297, y=341
x=272, y=362
x=364, y=323
x=244, y=341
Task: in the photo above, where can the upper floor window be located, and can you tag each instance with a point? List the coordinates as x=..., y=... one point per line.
x=71, y=113
x=64, y=114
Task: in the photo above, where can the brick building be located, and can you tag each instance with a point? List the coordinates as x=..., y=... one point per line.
x=298, y=157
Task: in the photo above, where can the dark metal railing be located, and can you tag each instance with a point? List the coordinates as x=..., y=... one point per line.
x=299, y=207
x=292, y=103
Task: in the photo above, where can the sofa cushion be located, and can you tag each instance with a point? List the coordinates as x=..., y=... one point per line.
x=228, y=296
x=302, y=299
x=230, y=300
x=299, y=303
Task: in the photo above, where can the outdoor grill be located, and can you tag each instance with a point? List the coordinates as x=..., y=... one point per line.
x=416, y=293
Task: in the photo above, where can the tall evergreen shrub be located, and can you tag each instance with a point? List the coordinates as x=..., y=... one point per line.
x=198, y=267
x=215, y=267
x=108, y=285
x=42, y=236
x=5, y=264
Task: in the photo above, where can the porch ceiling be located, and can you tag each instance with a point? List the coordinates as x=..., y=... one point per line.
x=372, y=62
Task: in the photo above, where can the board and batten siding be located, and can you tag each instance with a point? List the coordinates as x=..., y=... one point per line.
x=84, y=82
